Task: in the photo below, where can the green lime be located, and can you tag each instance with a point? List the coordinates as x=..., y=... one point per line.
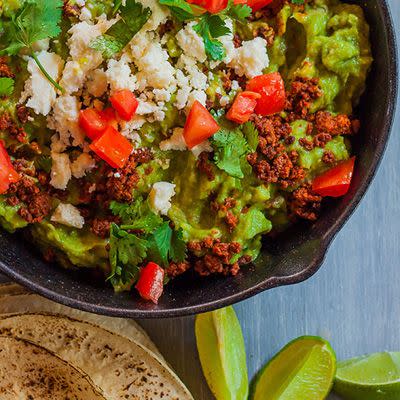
x=303, y=370
x=375, y=376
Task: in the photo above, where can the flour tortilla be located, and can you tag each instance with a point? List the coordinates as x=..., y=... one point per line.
x=28, y=371
x=11, y=289
x=122, y=368
x=18, y=301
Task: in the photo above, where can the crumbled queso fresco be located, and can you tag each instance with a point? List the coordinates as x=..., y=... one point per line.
x=82, y=75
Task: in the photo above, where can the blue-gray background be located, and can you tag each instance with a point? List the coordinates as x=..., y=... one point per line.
x=354, y=300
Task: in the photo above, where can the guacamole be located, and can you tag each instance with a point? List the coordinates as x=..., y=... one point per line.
x=148, y=136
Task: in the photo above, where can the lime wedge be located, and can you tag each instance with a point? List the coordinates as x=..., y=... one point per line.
x=303, y=370
x=376, y=376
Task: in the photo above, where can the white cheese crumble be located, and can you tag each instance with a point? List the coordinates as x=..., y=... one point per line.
x=83, y=58
x=60, y=170
x=64, y=120
x=251, y=58
x=158, y=16
x=175, y=142
x=160, y=197
x=191, y=43
x=152, y=61
x=97, y=83
x=69, y=215
x=83, y=164
x=41, y=93
x=119, y=76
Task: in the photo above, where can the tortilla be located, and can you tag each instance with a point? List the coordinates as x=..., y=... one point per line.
x=11, y=289
x=28, y=371
x=19, y=301
x=122, y=368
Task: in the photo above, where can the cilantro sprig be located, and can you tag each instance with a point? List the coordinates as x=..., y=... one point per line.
x=37, y=20
x=210, y=27
x=231, y=148
x=132, y=18
x=6, y=87
x=142, y=235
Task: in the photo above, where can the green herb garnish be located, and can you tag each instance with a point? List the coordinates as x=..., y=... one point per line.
x=6, y=87
x=210, y=26
x=132, y=18
x=158, y=242
x=231, y=148
x=37, y=20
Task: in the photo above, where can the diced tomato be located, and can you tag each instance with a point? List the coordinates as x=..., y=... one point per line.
x=110, y=117
x=336, y=181
x=8, y=174
x=272, y=90
x=92, y=122
x=151, y=282
x=239, y=1
x=257, y=4
x=243, y=106
x=112, y=147
x=200, y=125
x=124, y=103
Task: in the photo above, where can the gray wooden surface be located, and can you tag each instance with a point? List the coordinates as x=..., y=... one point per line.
x=354, y=300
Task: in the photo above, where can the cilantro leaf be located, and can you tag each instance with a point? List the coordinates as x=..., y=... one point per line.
x=166, y=244
x=133, y=17
x=37, y=20
x=297, y=1
x=177, y=251
x=6, y=87
x=127, y=251
x=251, y=134
x=180, y=9
x=210, y=28
x=239, y=12
x=230, y=149
x=136, y=216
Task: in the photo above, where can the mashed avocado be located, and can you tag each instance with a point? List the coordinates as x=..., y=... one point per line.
x=228, y=192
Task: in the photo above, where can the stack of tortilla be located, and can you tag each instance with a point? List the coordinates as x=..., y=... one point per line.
x=49, y=351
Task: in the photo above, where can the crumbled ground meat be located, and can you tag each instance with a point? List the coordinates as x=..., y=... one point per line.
x=70, y=10
x=8, y=124
x=214, y=257
x=229, y=76
x=303, y=203
x=266, y=33
x=101, y=226
x=143, y=155
x=328, y=157
x=176, y=269
x=36, y=203
x=306, y=144
x=5, y=70
x=321, y=139
x=303, y=92
x=204, y=165
x=237, y=40
x=325, y=122
x=167, y=27
x=23, y=113
x=120, y=183
x=231, y=220
x=272, y=163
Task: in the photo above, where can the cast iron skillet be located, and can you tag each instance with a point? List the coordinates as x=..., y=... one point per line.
x=289, y=259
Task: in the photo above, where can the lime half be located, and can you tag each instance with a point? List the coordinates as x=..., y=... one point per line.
x=376, y=376
x=303, y=370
